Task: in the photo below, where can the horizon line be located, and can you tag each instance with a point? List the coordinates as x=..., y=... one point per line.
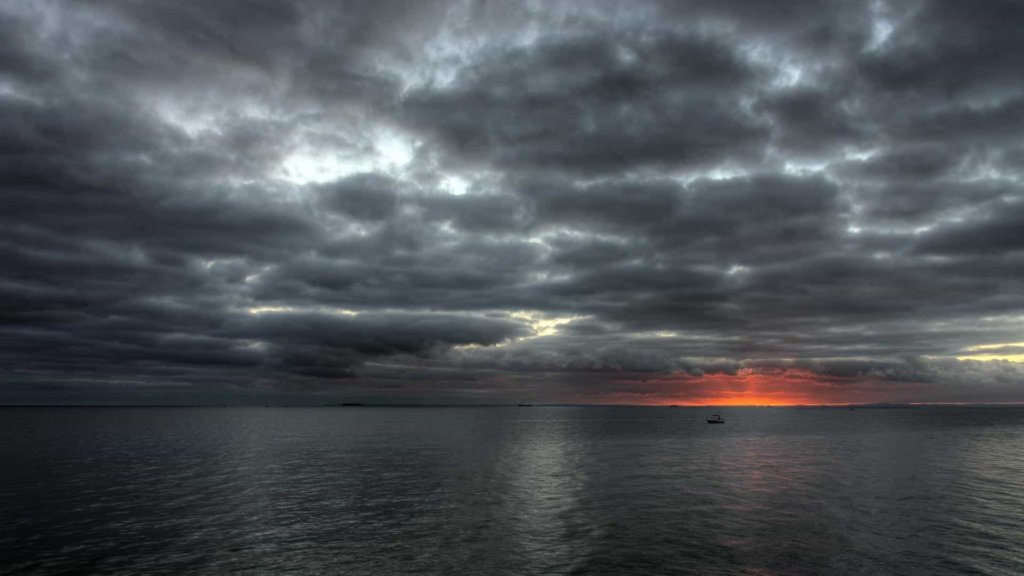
x=525, y=405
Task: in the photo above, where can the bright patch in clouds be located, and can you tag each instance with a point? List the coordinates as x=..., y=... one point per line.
x=1010, y=351
x=387, y=151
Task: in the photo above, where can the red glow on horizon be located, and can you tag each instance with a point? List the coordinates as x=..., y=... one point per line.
x=755, y=387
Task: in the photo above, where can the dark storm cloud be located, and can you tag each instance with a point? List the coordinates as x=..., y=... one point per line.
x=363, y=197
x=485, y=200
x=920, y=165
x=814, y=120
x=950, y=49
x=594, y=104
x=996, y=230
x=376, y=334
x=329, y=345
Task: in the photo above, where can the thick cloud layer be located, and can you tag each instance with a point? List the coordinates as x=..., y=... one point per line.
x=488, y=202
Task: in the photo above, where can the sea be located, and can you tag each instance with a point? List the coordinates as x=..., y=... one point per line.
x=512, y=490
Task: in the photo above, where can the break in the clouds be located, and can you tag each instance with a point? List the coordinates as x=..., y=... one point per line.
x=638, y=202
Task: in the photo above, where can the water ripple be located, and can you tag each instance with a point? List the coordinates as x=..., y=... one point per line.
x=511, y=491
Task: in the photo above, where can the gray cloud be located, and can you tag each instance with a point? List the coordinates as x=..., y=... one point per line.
x=592, y=104
x=454, y=201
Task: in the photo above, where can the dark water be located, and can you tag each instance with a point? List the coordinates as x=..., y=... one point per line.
x=537, y=490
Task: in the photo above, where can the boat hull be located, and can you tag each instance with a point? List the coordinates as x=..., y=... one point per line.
x=716, y=421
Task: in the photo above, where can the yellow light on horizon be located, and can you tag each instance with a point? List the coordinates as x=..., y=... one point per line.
x=987, y=352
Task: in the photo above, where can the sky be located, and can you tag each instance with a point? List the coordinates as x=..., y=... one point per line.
x=686, y=202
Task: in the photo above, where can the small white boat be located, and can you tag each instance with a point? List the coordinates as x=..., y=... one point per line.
x=716, y=419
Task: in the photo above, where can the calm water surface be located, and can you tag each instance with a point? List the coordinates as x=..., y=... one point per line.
x=542, y=490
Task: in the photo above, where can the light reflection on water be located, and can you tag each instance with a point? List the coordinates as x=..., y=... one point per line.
x=542, y=490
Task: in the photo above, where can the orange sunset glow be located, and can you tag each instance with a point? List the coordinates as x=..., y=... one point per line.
x=752, y=387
